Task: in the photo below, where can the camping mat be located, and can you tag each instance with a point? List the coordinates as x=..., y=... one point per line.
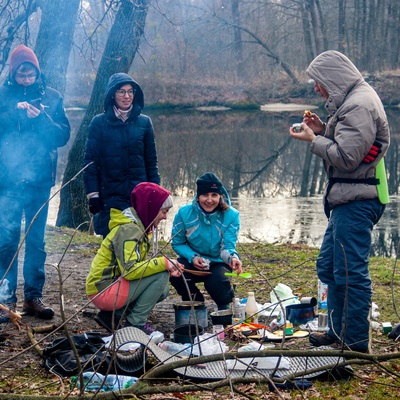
x=216, y=370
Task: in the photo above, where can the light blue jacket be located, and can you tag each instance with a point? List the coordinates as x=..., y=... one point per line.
x=209, y=235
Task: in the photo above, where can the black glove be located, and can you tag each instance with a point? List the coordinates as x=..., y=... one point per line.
x=95, y=205
x=373, y=152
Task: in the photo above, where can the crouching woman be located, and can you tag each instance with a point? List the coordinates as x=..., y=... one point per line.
x=122, y=283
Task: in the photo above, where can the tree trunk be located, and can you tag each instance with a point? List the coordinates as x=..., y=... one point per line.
x=55, y=38
x=237, y=38
x=306, y=174
x=341, y=25
x=314, y=25
x=121, y=47
x=324, y=30
x=395, y=54
x=308, y=44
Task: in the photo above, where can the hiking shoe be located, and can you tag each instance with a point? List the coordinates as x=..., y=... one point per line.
x=338, y=345
x=38, y=309
x=395, y=333
x=146, y=328
x=4, y=317
x=318, y=339
x=105, y=319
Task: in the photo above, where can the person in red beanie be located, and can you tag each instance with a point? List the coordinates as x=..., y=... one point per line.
x=33, y=125
x=122, y=282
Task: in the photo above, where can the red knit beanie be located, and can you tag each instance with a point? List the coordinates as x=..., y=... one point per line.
x=20, y=55
x=147, y=199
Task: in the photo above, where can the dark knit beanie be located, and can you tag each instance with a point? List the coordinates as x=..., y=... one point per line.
x=20, y=55
x=207, y=183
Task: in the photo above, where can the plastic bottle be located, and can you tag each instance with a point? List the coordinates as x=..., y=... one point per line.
x=251, y=309
x=95, y=381
x=238, y=312
x=178, y=349
x=288, y=328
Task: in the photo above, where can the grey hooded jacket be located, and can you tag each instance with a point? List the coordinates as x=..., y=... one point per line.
x=356, y=118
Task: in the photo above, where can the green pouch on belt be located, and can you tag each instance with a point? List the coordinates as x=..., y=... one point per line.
x=382, y=187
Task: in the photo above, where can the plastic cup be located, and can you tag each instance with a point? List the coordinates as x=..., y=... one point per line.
x=219, y=331
x=322, y=322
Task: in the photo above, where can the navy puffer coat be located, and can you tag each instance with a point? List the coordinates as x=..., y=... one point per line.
x=28, y=146
x=123, y=153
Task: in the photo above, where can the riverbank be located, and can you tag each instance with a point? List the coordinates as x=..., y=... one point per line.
x=160, y=93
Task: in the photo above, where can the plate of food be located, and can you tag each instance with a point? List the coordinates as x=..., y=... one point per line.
x=277, y=336
x=250, y=329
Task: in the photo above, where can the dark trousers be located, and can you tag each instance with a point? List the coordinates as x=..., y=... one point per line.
x=343, y=265
x=217, y=284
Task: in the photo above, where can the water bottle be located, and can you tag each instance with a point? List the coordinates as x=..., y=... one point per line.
x=178, y=349
x=251, y=309
x=94, y=381
x=238, y=315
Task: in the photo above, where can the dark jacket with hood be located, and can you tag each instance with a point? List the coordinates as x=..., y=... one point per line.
x=123, y=153
x=356, y=119
x=28, y=146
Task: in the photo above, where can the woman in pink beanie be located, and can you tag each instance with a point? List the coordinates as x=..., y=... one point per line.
x=122, y=282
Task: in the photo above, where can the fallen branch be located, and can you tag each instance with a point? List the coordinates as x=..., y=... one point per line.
x=15, y=317
x=33, y=340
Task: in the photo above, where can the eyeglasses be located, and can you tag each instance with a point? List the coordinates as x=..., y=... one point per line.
x=20, y=76
x=122, y=92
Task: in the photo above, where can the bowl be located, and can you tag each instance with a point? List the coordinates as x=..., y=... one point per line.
x=186, y=333
x=222, y=317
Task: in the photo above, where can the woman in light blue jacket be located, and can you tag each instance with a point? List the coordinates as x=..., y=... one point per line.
x=204, y=235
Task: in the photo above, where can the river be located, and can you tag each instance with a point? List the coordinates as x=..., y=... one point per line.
x=275, y=186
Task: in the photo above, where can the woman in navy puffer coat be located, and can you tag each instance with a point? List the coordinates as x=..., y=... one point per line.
x=121, y=146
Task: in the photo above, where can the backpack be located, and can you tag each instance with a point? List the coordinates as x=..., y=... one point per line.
x=60, y=359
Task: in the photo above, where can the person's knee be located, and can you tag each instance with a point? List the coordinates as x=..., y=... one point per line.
x=164, y=294
x=221, y=292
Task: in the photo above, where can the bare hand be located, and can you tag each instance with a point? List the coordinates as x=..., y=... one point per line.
x=31, y=111
x=305, y=134
x=200, y=263
x=236, y=265
x=314, y=122
x=174, y=268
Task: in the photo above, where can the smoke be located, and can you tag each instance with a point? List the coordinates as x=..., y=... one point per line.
x=4, y=293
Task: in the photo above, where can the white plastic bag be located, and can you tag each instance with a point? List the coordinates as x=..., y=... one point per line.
x=209, y=345
x=257, y=362
x=283, y=294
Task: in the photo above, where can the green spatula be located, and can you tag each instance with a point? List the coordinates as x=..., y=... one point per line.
x=242, y=275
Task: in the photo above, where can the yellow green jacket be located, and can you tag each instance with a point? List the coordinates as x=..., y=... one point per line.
x=123, y=252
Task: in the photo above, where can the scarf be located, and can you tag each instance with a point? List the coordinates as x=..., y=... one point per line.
x=123, y=115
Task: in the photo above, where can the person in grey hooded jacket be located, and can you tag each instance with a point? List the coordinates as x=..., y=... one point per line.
x=357, y=127
x=122, y=149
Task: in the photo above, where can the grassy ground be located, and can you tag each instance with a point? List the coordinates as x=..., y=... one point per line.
x=293, y=265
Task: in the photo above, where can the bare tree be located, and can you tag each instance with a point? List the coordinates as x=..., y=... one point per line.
x=14, y=25
x=55, y=38
x=237, y=37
